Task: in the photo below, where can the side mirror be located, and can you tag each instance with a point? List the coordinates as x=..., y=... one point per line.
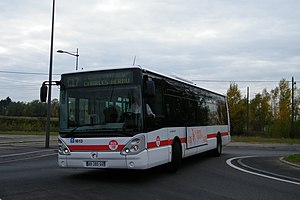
x=43, y=93
x=149, y=88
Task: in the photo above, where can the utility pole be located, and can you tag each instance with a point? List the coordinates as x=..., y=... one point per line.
x=293, y=111
x=247, y=120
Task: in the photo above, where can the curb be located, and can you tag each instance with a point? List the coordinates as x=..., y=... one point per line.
x=289, y=163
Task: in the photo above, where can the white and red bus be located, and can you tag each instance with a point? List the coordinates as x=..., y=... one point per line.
x=172, y=119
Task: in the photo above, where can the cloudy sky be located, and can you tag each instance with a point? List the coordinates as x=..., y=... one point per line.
x=213, y=42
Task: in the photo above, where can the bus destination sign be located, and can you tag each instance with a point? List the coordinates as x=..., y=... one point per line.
x=99, y=79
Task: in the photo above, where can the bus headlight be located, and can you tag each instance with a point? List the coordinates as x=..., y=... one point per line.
x=62, y=148
x=134, y=146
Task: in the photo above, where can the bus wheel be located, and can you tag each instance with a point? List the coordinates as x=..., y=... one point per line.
x=218, y=150
x=176, y=158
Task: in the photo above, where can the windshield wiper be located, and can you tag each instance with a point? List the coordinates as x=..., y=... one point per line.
x=71, y=133
x=112, y=131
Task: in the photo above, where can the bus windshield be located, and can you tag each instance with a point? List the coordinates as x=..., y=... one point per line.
x=97, y=111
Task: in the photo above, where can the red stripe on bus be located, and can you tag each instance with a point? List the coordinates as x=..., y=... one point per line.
x=213, y=135
x=157, y=144
x=163, y=143
x=225, y=133
x=183, y=140
x=93, y=148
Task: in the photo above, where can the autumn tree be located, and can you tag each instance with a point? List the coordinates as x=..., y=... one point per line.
x=274, y=103
x=237, y=109
x=281, y=96
x=284, y=100
x=269, y=112
x=260, y=111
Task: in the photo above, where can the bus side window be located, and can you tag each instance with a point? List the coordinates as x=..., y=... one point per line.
x=173, y=111
x=156, y=104
x=202, y=112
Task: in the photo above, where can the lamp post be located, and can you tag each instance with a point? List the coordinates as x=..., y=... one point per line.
x=50, y=80
x=72, y=54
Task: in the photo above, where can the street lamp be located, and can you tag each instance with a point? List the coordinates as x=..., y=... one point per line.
x=50, y=79
x=72, y=54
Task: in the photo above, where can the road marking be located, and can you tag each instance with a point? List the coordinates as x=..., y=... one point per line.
x=229, y=162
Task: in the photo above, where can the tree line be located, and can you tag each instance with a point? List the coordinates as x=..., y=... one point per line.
x=32, y=109
x=269, y=113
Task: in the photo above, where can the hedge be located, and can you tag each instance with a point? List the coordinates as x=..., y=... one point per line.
x=8, y=123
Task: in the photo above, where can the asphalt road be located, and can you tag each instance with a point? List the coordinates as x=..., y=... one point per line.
x=200, y=177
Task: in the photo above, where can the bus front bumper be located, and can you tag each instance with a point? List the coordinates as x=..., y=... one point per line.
x=98, y=160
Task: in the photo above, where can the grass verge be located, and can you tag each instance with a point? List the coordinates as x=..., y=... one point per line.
x=293, y=159
x=256, y=139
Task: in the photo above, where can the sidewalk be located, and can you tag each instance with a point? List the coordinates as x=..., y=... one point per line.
x=289, y=147
x=15, y=147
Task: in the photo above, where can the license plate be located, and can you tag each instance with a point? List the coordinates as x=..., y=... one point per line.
x=95, y=164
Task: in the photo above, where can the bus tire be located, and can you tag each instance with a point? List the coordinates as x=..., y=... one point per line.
x=218, y=150
x=175, y=163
